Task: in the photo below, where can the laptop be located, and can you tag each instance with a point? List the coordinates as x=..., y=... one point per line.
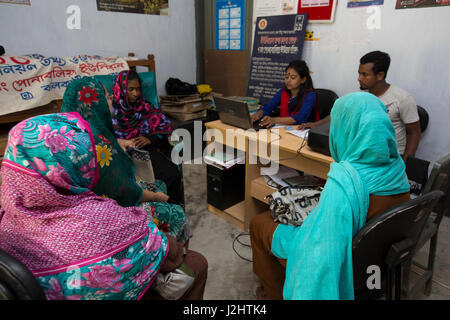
x=235, y=113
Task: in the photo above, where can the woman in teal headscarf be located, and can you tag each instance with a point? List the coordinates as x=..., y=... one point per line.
x=367, y=177
x=117, y=180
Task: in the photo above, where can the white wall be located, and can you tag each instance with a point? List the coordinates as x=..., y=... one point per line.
x=41, y=28
x=418, y=41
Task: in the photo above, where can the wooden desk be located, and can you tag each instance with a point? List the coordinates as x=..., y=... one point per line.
x=256, y=188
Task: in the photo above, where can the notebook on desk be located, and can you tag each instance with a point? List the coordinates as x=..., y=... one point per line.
x=235, y=113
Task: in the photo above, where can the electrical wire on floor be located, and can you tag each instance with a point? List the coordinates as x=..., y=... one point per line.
x=236, y=239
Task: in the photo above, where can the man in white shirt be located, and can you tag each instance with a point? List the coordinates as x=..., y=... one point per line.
x=401, y=106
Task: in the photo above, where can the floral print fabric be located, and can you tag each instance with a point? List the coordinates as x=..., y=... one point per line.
x=58, y=147
x=123, y=276
x=132, y=121
x=170, y=218
x=77, y=244
x=86, y=96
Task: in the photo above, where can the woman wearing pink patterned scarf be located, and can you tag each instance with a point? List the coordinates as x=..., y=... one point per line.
x=139, y=124
x=78, y=245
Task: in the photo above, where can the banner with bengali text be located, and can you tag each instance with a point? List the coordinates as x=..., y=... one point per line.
x=31, y=81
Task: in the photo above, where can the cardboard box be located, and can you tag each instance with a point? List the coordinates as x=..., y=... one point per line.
x=190, y=103
x=187, y=116
x=186, y=107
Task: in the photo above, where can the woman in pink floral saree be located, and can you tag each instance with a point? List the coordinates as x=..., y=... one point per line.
x=77, y=244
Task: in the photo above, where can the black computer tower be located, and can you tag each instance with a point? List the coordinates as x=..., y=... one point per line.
x=225, y=187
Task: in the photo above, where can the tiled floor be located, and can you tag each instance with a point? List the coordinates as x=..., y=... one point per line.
x=230, y=277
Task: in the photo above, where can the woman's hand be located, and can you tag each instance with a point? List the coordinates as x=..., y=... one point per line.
x=141, y=142
x=257, y=115
x=159, y=196
x=124, y=144
x=267, y=122
x=306, y=125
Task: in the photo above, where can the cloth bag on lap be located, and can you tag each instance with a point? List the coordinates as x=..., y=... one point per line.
x=173, y=285
x=143, y=165
x=291, y=205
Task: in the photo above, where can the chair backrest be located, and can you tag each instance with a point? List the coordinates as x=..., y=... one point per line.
x=16, y=281
x=325, y=101
x=372, y=243
x=439, y=179
x=423, y=118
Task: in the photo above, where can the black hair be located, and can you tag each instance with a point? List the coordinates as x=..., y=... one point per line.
x=2, y=50
x=302, y=69
x=133, y=75
x=381, y=61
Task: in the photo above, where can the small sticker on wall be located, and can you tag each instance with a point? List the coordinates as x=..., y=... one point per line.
x=309, y=36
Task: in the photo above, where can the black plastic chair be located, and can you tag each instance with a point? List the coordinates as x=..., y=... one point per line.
x=325, y=101
x=417, y=172
x=439, y=179
x=423, y=118
x=16, y=281
x=387, y=241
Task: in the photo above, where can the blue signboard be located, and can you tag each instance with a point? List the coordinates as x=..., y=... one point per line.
x=278, y=41
x=230, y=24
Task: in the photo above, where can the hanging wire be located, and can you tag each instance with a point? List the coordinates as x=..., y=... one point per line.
x=236, y=239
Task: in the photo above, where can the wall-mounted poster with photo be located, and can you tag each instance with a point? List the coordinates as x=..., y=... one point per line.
x=364, y=3
x=160, y=7
x=26, y=2
x=407, y=4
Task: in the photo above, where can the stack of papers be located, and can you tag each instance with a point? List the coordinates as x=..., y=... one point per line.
x=283, y=173
x=299, y=133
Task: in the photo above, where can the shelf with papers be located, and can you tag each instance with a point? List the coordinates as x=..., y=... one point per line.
x=259, y=189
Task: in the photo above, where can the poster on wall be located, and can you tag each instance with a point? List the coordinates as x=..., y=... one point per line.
x=230, y=24
x=26, y=2
x=278, y=41
x=159, y=7
x=406, y=4
x=364, y=3
x=318, y=11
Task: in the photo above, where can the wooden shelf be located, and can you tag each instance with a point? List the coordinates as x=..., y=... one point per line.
x=259, y=189
x=234, y=214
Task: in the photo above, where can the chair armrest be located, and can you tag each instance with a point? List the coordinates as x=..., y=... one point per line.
x=399, y=252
